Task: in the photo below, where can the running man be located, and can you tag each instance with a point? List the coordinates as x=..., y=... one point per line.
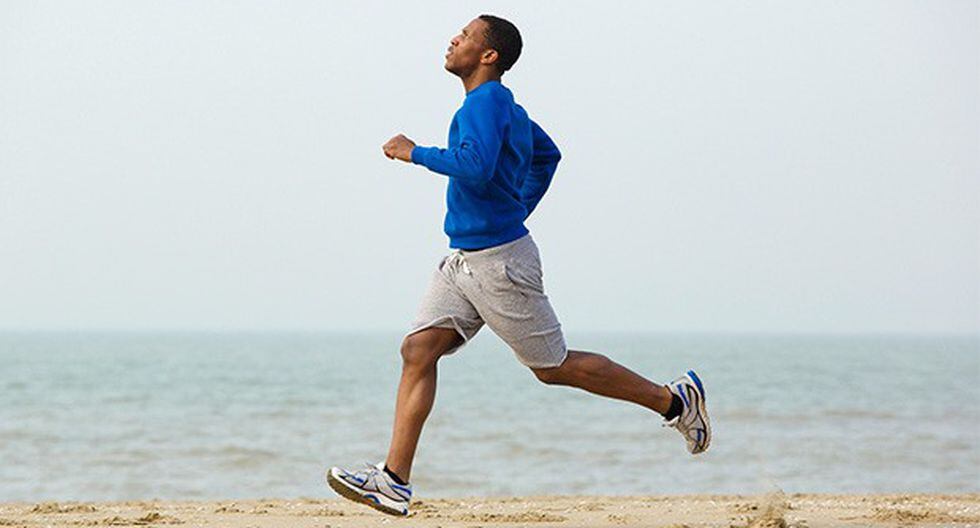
x=499, y=164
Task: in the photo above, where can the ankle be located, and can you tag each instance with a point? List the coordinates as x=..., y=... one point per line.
x=675, y=408
x=395, y=477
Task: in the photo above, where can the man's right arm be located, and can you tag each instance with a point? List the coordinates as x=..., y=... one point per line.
x=481, y=132
x=544, y=162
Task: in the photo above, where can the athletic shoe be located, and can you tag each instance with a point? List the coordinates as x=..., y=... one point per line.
x=693, y=421
x=373, y=486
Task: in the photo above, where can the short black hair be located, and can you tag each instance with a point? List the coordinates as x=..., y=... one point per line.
x=503, y=37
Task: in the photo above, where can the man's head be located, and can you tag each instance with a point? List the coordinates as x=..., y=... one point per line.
x=486, y=42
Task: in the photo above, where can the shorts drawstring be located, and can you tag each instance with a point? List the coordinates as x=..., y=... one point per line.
x=456, y=257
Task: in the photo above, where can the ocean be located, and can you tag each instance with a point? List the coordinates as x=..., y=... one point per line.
x=116, y=416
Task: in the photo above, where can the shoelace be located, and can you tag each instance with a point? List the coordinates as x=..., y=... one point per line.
x=366, y=471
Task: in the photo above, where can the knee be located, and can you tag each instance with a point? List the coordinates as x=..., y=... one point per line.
x=550, y=376
x=422, y=350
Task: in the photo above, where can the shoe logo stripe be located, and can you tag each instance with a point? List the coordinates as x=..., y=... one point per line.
x=403, y=489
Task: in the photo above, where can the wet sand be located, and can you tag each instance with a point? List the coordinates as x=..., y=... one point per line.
x=674, y=511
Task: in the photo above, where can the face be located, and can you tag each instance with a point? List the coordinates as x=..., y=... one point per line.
x=467, y=50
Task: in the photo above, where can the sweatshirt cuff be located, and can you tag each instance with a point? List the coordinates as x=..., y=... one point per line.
x=418, y=155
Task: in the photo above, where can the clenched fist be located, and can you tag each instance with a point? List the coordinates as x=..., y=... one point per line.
x=399, y=147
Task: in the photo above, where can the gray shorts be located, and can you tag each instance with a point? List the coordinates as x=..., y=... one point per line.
x=503, y=287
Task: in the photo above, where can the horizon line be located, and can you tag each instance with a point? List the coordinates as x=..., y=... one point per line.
x=388, y=331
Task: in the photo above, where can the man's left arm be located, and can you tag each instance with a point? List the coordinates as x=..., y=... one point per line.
x=544, y=163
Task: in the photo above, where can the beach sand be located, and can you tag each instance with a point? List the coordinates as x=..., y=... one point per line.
x=674, y=511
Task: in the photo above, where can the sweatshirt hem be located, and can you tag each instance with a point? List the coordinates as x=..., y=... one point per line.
x=476, y=242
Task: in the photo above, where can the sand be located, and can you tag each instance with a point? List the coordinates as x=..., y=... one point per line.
x=675, y=511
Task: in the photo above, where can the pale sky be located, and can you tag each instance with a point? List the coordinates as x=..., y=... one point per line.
x=728, y=166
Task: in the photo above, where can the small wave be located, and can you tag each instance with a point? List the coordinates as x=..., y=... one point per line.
x=860, y=414
x=233, y=456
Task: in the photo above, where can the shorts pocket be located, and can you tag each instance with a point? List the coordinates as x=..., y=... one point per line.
x=525, y=276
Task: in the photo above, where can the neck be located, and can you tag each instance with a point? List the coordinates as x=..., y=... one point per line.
x=477, y=78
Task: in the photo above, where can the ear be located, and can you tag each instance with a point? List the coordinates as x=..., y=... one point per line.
x=490, y=56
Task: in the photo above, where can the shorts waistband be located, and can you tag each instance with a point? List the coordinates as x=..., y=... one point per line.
x=460, y=256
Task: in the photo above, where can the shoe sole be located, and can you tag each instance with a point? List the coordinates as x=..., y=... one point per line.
x=352, y=495
x=702, y=410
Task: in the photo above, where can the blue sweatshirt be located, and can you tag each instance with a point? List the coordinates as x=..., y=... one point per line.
x=499, y=165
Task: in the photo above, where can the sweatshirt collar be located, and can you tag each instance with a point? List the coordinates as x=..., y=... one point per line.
x=485, y=83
